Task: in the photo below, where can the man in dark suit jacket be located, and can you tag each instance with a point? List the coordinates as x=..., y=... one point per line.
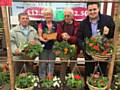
x=94, y=24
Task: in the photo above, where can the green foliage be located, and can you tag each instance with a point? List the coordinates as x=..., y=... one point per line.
x=4, y=76
x=45, y=83
x=32, y=50
x=117, y=67
x=1, y=78
x=25, y=81
x=1, y=23
x=64, y=50
x=50, y=83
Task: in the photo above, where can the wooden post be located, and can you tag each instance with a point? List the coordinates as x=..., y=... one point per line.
x=111, y=68
x=8, y=46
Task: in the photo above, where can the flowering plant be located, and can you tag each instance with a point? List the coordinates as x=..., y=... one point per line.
x=4, y=75
x=74, y=81
x=51, y=83
x=26, y=80
x=97, y=80
x=99, y=46
x=31, y=50
x=64, y=50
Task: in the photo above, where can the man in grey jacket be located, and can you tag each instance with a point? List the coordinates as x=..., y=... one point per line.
x=20, y=34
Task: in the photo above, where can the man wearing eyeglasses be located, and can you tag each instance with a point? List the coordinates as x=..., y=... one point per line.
x=94, y=24
x=67, y=30
x=68, y=27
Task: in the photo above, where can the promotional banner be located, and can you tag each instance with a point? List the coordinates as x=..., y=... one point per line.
x=5, y=2
x=34, y=10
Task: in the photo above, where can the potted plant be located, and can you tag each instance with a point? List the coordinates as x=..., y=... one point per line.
x=26, y=81
x=97, y=82
x=30, y=50
x=64, y=50
x=74, y=81
x=1, y=80
x=100, y=48
x=4, y=76
x=50, y=84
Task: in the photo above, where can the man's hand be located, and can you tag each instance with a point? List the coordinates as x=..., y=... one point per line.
x=105, y=30
x=65, y=36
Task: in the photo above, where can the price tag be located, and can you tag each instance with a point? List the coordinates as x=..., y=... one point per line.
x=80, y=60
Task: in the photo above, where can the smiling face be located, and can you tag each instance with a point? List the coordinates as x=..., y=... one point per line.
x=24, y=20
x=48, y=14
x=68, y=14
x=93, y=11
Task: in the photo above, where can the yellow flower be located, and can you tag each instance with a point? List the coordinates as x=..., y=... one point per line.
x=65, y=50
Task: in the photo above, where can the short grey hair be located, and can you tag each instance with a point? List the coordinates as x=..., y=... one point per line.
x=69, y=10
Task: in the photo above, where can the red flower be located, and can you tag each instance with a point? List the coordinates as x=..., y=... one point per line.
x=77, y=77
x=104, y=52
x=96, y=47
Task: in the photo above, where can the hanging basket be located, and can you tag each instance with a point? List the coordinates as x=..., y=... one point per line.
x=74, y=80
x=29, y=88
x=95, y=88
x=97, y=81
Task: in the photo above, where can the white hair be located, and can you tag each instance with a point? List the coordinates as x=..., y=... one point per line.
x=47, y=10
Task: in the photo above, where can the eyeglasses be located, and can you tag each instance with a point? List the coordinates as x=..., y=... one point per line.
x=90, y=10
x=67, y=15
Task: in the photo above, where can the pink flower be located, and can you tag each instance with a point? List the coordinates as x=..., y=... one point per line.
x=104, y=52
x=96, y=47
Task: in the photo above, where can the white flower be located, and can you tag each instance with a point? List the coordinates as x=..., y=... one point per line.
x=29, y=76
x=35, y=84
x=43, y=45
x=56, y=84
x=55, y=78
x=72, y=75
x=32, y=80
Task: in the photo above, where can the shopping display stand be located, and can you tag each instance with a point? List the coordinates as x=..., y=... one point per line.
x=5, y=16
